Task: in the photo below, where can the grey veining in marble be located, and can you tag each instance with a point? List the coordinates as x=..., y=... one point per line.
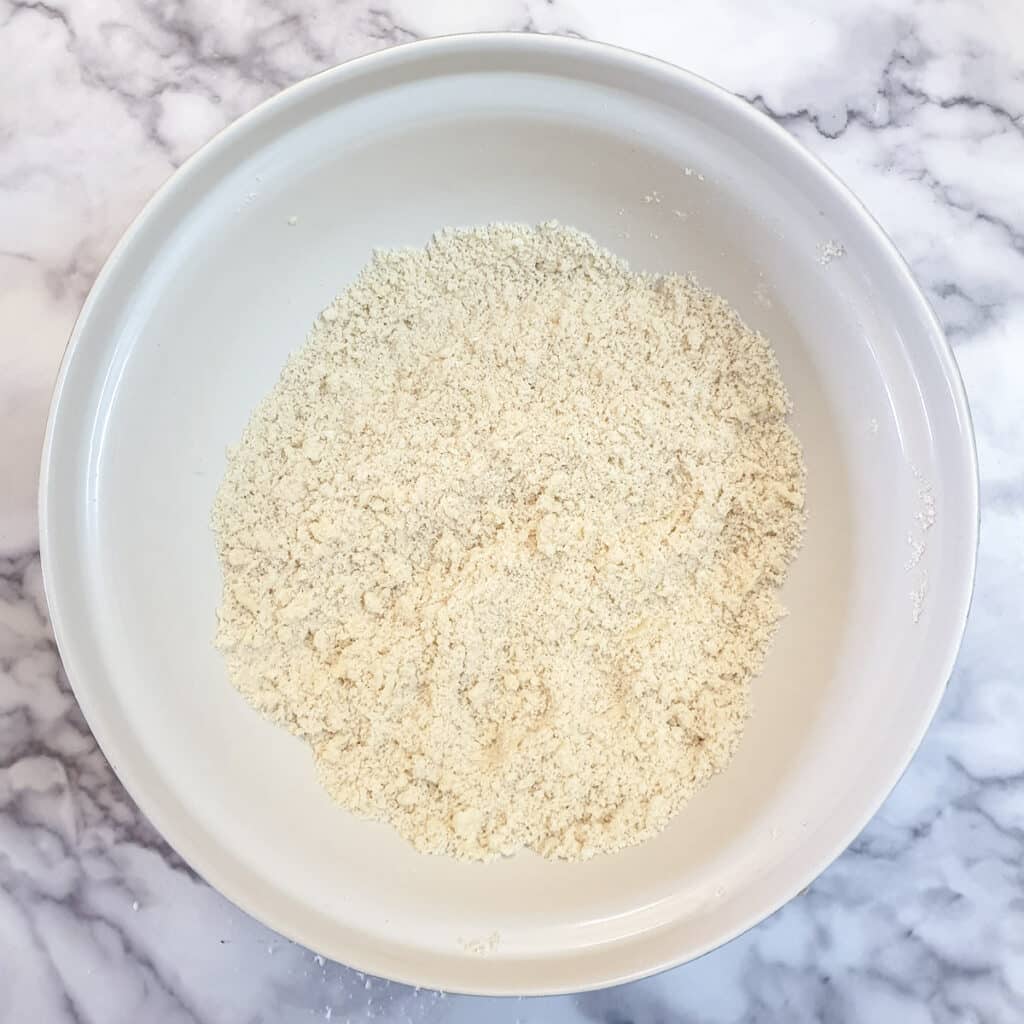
x=919, y=105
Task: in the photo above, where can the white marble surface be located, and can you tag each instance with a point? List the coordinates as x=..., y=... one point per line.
x=919, y=105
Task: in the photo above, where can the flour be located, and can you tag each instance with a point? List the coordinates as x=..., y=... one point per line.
x=763, y=295
x=924, y=518
x=917, y=550
x=502, y=545
x=829, y=251
x=482, y=947
x=917, y=597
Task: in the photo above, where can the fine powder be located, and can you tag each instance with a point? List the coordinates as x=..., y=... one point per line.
x=502, y=545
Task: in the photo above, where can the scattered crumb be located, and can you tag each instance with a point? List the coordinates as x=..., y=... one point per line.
x=926, y=512
x=135, y=905
x=621, y=211
x=762, y=295
x=829, y=251
x=681, y=214
x=319, y=960
x=925, y=518
x=482, y=947
x=653, y=197
x=873, y=426
x=917, y=596
x=917, y=549
x=292, y=221
x=655, y=235
x=926, y=515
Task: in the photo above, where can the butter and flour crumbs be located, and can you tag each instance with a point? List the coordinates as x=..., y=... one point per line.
x=503, y=543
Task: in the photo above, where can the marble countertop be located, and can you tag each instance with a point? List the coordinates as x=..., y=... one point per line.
x=919, y=105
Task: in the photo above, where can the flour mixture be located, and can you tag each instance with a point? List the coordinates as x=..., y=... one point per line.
x=503, y=543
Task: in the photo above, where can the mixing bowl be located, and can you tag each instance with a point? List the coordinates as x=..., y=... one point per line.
x=188, y=326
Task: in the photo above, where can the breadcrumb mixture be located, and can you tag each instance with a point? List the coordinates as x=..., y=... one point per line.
x=503, y=543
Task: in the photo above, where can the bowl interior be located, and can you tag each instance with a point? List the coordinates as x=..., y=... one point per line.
x=222, y=277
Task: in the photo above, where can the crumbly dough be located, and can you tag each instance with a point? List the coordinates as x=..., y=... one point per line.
x=503, y=543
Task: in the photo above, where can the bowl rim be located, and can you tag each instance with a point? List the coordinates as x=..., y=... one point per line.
x=191, y=851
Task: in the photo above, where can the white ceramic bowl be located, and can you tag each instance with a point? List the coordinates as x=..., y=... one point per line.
x=188, y=326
